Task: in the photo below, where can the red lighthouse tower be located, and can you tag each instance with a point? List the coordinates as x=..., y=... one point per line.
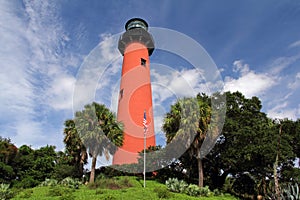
x=135, y=97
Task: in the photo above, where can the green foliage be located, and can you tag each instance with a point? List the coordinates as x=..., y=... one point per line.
x=109, y=197
x=33, y=166
x=99, y=131
x=6, y=172
x=68, y=196
x=70, y=183
x=62, y=171
x=193, y=190
x=228, y=185
x=135, y=192
x=5, y=192
x=67, y=182
x=26, y=194
x=76, y=155
x=8, y=152
x=49, y=182
x=59, y=191
x=244, y=184
x=190, y=122
x=174, y=185
x=111, y=183
x=205, y=191
x=26, y=182
x=217, y=192
x=162, y=193
x=291, y=192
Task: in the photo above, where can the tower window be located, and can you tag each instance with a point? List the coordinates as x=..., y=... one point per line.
x=121, y=94
x=143, y=62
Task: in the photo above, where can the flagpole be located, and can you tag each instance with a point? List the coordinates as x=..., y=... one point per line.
x=145, y=130
x=144, y=159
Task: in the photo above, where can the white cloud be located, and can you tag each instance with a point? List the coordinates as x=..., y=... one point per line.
x=281, y=63
x=295, y=44
x=33, y=77
x=249, y=82
x=98, y=74
x=168, y=82
x=282, y=111
x=61, y=92
x=295, y=82
x=17, y=91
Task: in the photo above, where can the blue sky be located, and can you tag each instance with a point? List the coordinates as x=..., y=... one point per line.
x=255, y=45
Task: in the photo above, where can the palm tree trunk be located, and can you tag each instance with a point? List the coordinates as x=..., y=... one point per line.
x=93, y=169
x=82, y=161
x=200, y=171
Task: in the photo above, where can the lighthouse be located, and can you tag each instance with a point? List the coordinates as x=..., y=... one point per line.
x=135, y=96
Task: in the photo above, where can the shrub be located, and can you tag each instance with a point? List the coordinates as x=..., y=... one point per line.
x=49, y=182
x=174, y=185
x=111, y=183
x=71, y=183
x=204, y=191
x=55, y=191
x=26, y=182
x=193, y=190
x=291, y=192
x=59, y=191
x=217, y=192
x=162, y=193
x=26, y=194
x=5, y=192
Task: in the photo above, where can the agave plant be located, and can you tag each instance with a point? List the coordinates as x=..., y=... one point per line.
x=5, y=192
x=49, y=182
x=174, y=185
x=291, y=192
x=71, y=183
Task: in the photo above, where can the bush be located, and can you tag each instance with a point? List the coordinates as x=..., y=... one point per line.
x=205, y=192
x=174, y=185
x=49, y=182
x=291, y=192
x=5, y=192
x=193, y=190
x=27, y=182
x=217, y=192
x=162, y=193
x=55, y=191
x=59, y=191
x=71, y=183
x=26, y=194
x=111, y=183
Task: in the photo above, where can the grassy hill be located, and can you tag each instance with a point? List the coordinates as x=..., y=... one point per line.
x=125, y=188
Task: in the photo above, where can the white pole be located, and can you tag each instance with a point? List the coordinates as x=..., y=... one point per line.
x=144, y=159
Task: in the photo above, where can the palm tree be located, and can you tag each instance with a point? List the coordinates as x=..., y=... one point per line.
x=188, y=121
x=99, y=131
x=74, y=147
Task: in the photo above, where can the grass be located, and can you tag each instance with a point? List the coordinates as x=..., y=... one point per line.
x=132, y=189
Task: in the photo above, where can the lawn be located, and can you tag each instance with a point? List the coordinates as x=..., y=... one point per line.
x=131, y=193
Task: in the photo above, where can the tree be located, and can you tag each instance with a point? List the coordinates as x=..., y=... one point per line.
x=74, y=148
x=99, y=131
x=188, y=121
x=8, y=152
x=248, y=143
x=33, y=166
